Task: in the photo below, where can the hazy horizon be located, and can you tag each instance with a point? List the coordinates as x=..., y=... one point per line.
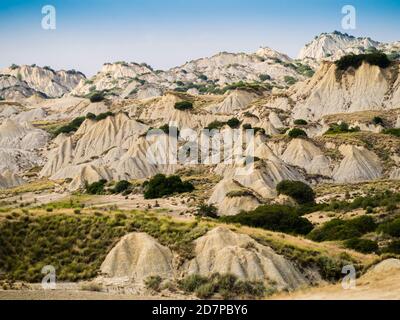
x=166, y=34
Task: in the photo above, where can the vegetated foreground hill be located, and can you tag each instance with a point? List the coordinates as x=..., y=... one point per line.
x=79, y=191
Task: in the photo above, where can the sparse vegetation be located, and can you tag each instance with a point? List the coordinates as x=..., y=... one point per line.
x=76, y=245
x=227, y=286
x=153, y=283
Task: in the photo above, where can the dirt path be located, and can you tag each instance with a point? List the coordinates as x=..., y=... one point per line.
x=69, y=295
x=378, y=287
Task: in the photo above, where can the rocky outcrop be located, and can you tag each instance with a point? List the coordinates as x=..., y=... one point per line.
x=136, y=257
x=224, y=251
x=359, y=164
x=45, y=80
x=305, y=154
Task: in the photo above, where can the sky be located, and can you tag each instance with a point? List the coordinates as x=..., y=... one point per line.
x=167, y=33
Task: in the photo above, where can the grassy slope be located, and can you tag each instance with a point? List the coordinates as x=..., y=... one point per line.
x=76, y=241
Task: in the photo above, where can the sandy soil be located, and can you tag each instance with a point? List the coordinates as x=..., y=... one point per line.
x=173, y=206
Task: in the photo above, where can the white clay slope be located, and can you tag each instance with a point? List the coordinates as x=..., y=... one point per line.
x=223, y=251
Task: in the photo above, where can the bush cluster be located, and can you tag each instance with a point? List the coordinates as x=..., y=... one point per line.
x=362, y=245
x=300, y=122
x=71, y=127
x=297, y=133
x=278, y=218
x=122, y=186
x=183, y=105
x=96, y=187
x=337, y=229
x=299, y=191
x=96, y=97
x=227, y=285
x=377, y=59
x=161, y=185
x=342, y=127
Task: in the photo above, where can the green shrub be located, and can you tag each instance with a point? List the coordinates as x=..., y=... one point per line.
x=377, y=120
x=227, y=285
x=273, y=217
x=233, y=123
x=207, y=210
x=394, y=132
x=215, y=125
x=122, y=186
x=264, y=77
x=300, y=122
x=192, y=282
x=167, y=129
x=71, y=127
x=104, y=115
x=355, y=61
x=297, y=133
x=153, y=283
x=183, y=105
x=391, y=228
x=343, y=127
x=290, y=80
x=96, y=187
x=298, y=190
x=392, y=247
x=96, y=97
x=337, y=229
x=90, y=116
x=160, y=186
x=362, y=245
x=205, y=291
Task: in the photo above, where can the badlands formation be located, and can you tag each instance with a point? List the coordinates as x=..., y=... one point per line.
x=57, y=138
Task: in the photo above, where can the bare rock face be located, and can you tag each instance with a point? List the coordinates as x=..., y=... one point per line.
x=138, y=256
x=234, y=102
x=367, y=88
x=359, y=164
x=305, y=154
x=8, y=179
x=224, y=251
x=45, y=80
x=334, y=45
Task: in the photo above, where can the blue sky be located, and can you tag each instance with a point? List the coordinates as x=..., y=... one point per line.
x=166, y=33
